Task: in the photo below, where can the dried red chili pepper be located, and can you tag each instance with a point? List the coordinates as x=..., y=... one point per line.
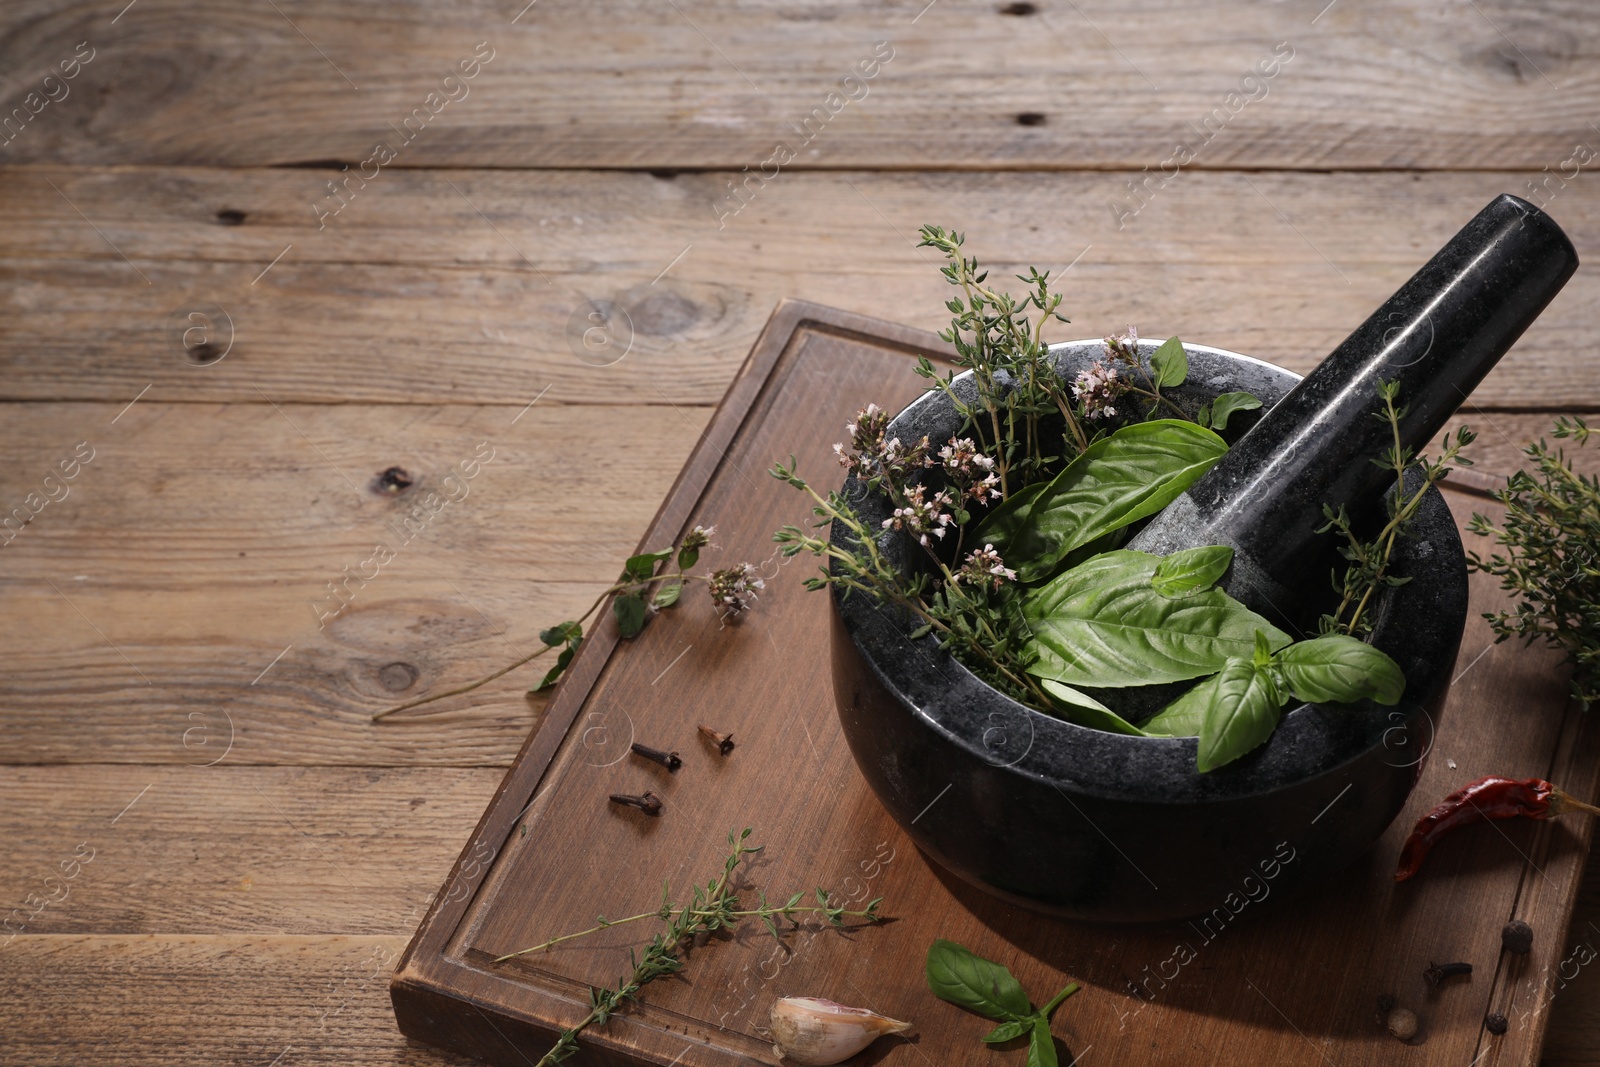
x=1487, y=798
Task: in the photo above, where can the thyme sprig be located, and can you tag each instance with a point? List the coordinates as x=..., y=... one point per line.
x=1552, y=537
x=714, y=907
x=1368, y=569
x=996, y=339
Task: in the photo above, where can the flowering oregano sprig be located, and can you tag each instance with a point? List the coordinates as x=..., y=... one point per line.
x=972, y=610
x=1097, y=390
x=649, y=583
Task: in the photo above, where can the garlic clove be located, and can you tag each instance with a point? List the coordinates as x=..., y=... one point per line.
x=813, y=1031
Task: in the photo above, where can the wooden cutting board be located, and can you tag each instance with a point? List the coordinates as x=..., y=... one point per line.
x=1285, y=981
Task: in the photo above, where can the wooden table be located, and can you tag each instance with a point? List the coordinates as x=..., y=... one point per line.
x=260, y=344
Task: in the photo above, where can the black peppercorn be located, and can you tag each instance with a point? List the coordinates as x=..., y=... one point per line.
x=1517, y=937
x=1495, y=1023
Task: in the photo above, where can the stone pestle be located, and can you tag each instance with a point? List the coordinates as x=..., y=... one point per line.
x=1438, y=335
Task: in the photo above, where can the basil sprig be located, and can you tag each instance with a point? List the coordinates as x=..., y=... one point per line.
x=1237, y=709
x=972, y=982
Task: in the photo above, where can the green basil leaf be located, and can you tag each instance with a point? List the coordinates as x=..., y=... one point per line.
x=1085, y=710
x=1241, y=713
x=956, y=975
x=1185, y=716
x=1227, y=404
x=1118, y=480
x=1042, y=1045
x=1102, y=625
x=1191, y=570
x=630, y=612
x=1008, y=1031
x=642, y=568
x=1170, y=362
x=688, y=557
x=668, y=595
x=1262, y=659
x=1339, y=669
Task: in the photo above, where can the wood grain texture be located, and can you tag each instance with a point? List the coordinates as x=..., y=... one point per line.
x=562, y=858
x=229, y=850
x=209, y=622
x=171, y=1000
x=411, y=296
x=718, y=84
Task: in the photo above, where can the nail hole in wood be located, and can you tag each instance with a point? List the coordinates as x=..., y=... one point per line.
x=393, y=480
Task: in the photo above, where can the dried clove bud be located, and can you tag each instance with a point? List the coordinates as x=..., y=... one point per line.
x=724, y=742
x=1495, y=1023
x=1403, y=1024
x=814, y=1031
x=1438, y=972
x=1386, y=1003
x=646, y=802
x=1516, y=937
x=669, y=760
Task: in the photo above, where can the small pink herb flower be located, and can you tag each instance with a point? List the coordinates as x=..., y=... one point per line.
x=1097, y=388
x=1124, y=346
x=970, y=471
x=699, y=537
x=734, y=588
x=921, y=517
x=870, y=456
x=984, y=566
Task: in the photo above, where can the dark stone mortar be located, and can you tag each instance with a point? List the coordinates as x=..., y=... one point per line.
x=1094, y=825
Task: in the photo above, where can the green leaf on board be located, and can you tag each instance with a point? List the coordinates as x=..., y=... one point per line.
x=1102, y=625
x=668, y=595
x=554, y=674
x=642, y=568
x=688, y=557
x=957, y=975
x=1008, y=1031
x=1042, y=1044
x=629, y=610
x=1118, y=480
x=1192, y=570
x=561, y=632
x=1171, y=363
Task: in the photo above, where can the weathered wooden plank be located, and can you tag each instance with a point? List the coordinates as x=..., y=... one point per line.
x=178, y=595
x=229, y=850
x=413, y=296
x=177, y=999
x=704, y=83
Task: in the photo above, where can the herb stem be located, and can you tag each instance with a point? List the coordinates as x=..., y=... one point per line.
x=502, y=672
x=1055, y=1002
